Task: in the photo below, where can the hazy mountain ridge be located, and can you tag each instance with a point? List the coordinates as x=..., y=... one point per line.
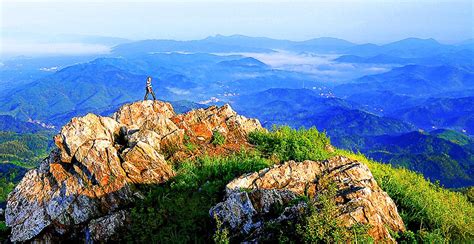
x=344, y=122
x=435, y=157
x=389, y=103
x=414, y=80
x=456, y=113
x=106, y=82
x=457, y=57
x=406, y=48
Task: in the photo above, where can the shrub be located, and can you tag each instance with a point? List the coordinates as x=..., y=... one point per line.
x=4, y=231
x=322, y=226
x=284, y=143
x=217, y=138
x=469, y=192
x=178, y=211
x=428, y=209
x=221, y=236
x=190, y=146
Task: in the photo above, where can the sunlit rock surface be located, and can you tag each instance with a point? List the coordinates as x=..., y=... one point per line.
x=85, y=186
x=251, y=197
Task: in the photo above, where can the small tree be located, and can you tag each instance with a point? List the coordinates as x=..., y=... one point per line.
x=217, y=138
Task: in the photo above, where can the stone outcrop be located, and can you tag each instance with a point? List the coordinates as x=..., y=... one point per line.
x=83, y=189
x=250, y=198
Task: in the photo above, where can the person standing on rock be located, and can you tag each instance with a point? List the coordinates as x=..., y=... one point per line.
x=149, y=89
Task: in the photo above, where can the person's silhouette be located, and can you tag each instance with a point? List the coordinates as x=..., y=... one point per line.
x=149, y=89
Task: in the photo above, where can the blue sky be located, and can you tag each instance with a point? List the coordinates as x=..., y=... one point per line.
x=355, y=20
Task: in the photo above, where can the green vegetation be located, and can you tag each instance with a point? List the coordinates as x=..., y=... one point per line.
x=469, y=192
x=4, y=232
x=427, y=209
x=8, y=181
x=453, y=136
x=285, y=144
x=221, y=236
x=19, y=152
x=178, y=211
x=321, y=225
x=25, y=150
x=217, y=138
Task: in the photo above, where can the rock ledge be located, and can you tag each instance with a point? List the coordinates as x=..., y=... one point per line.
x=83, y=189
x=250, y=198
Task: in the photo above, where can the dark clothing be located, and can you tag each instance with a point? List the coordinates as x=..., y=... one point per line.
x=149, y=90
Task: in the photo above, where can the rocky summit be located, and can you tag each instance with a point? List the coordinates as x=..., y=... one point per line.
x=251, y=199
x=84, y=188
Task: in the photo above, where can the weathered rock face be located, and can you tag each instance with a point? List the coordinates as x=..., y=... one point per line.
x=82, y=190
x=250, y=198
x=202, y=122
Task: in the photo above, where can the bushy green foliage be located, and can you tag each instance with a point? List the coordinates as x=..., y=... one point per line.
x=4, y=231
x=217, y=138
x=285, y=143
x=427, y=209
x=7, y=184
x=188, y=144
x=178, y=211
x=469, y=192
x=322, y=226
x=221, y=236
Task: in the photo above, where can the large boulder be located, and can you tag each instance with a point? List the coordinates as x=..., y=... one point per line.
x=139, y=113
x=251, y=198
x=201, y=123
x=83, y=188
x=82, y=132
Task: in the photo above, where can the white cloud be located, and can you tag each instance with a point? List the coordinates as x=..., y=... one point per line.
x=178, y=91
x=10, y=47
x=51, y=69
x=322, y=67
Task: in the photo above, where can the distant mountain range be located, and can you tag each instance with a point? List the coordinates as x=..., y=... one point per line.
x=402, y=88
x=105, y=83
x=456, y=57
x=406, y=48
x=455, y=113
x=344, y=122
x=413, y=80
x=428, y=97
x=438, y=155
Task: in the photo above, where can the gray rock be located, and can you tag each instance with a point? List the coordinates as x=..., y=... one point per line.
x=250, y=198
x=88, y=180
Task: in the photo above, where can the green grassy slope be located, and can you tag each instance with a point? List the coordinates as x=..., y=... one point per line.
x=178, y=210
